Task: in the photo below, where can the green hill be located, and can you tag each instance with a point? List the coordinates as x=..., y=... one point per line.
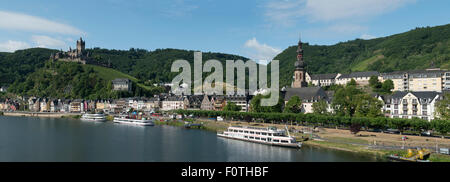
x=17, y=65
x=73, y=80
x=420, y=48
x=151, y=65
x=416, y=49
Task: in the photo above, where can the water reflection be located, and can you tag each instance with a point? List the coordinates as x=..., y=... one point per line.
x=46, y=139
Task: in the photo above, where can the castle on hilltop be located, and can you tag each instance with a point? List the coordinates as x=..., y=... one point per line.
x=79, y=55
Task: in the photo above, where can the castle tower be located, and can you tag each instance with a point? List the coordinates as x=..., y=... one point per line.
x=300, y=71
x=80, y=46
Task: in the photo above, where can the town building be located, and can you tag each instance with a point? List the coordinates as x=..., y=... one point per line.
x=207, y=103
x=122, y=84
x=240, y=100
x=44, y=105
x=153, y=104
x=3, y=105
x=76, y=106
x=435, y=80
x=173, y=103
x=361, y=78
x=322, y=79
x=308, y=96
x=299, y=88
x=34, y=104
x=193, y=102
x=410, y=104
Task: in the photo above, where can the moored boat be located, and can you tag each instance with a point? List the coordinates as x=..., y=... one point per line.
x=93, y=117
x=139, y=122
x=269, y=136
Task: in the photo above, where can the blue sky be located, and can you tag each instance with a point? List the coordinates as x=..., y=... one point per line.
x=258, y=29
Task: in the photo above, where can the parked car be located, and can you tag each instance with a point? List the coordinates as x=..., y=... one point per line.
x=376, y=130
x=219, y=118
x=444, y=151
x=426, y=133
x=392, y=131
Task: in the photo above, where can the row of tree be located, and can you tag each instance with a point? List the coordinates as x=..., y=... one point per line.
x=382, y=123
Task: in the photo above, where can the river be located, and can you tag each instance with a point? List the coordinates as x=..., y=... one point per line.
x=32, y=139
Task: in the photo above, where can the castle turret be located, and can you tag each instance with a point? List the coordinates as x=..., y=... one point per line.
x=80, y=46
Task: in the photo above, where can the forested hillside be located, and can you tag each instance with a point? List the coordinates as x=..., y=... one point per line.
x=420, y=48
x=73, y=80
x=416, y=49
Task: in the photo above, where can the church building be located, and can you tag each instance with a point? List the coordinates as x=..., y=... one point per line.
x=299, y=86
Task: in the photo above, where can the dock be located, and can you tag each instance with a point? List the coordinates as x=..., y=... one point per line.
x=193, y=125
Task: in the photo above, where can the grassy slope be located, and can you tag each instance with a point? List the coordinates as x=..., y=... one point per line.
x=111, y=74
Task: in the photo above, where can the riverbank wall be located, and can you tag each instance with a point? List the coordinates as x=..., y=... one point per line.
x=40, y=114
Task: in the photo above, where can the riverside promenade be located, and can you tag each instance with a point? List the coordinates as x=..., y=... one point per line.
x=40, y=114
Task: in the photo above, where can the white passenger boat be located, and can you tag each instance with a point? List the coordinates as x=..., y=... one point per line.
x=93, y=117
x=140, y=122
x=269, y=136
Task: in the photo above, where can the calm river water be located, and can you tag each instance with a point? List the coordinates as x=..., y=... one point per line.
x=45, y=139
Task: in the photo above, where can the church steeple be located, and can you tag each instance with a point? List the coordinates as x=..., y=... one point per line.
x=300, y=64
x=299, y=72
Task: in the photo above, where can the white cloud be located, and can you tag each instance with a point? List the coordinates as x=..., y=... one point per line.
x=283, y=12
x=11, y=46
x=367, y=36
x=258, y=51
x=23, y=22
x=288, y=11
x=47, y=42
x=326, y=10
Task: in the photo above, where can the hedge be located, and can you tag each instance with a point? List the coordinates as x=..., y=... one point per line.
x=415, y=124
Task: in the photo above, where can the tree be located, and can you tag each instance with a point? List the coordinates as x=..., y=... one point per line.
x=441, y=126
x=387, y=86
x=344, y=101
x=374, y=83
x=232, y=107
x=443, y=107
x=294, y=105
x=352, y=82
x=368, y=106
x=320, y=107
x=355, y=128
x=255, y=104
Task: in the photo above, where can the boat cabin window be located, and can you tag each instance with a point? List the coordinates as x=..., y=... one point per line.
x=263, y=139
x=258, y=133
x=252, y=137
x=276, y=141
x=245, y=131
x=240, y=131
x=251, y=132
x=257, y=138
x=245, y=136
x=264, y=134
x=284, y=141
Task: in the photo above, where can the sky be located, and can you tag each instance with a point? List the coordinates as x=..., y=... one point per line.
x=257, y=29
